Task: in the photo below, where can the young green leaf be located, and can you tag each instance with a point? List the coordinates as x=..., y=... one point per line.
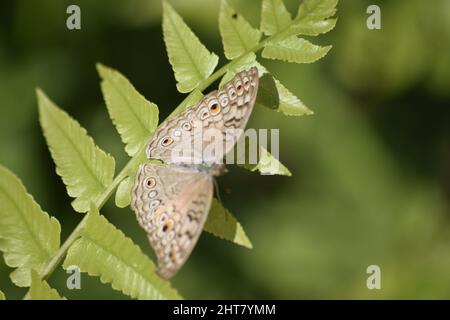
x=224, y=225
x=274, y=17
x=190, y=60
x=316, y=10
x=28, y=236
x=312, y=17
x=134, y=117
x=104, y=251
x=2, y=295
x=269, y=165
x=295, y=49
x=85, y=169
x=40, y=290
x=238, y=36
x=123, y=194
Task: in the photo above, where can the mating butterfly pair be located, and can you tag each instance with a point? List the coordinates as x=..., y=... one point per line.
x=172, y=201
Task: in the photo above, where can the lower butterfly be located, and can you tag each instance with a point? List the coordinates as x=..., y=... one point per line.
x=172, y=201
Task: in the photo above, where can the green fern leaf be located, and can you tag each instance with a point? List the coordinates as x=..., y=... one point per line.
x=134, y=117
x=85, y=169
x=289, y=104
x=224, y=225
x=274, y=17
x=316, y=10
x=238, y=36
x=105, y=251
x=190, y=60
x=40, y=290
x=28, y=236
x=312, y=17
x=295, y=49
x=2, y=296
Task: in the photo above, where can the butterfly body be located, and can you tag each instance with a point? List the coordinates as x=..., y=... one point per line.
x=171, y=201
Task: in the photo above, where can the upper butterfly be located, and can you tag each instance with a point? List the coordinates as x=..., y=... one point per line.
x=172, y=202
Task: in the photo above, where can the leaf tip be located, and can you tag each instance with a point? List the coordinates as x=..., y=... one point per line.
x=40, y=95
x=101, y=68
x=248, y=245
x=166, y=5
x=43, y=100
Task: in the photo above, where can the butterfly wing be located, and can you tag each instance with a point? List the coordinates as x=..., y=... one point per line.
x=221, y=110
x=171, y=204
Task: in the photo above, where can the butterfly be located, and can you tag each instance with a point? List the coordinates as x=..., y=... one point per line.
x=172, y=201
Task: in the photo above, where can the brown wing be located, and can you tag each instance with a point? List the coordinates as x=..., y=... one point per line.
x=171, y=204
x=221, y=110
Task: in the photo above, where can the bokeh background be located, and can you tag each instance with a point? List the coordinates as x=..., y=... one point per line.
x=371, y=167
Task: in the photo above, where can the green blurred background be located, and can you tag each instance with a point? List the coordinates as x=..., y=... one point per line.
x=371, y=167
